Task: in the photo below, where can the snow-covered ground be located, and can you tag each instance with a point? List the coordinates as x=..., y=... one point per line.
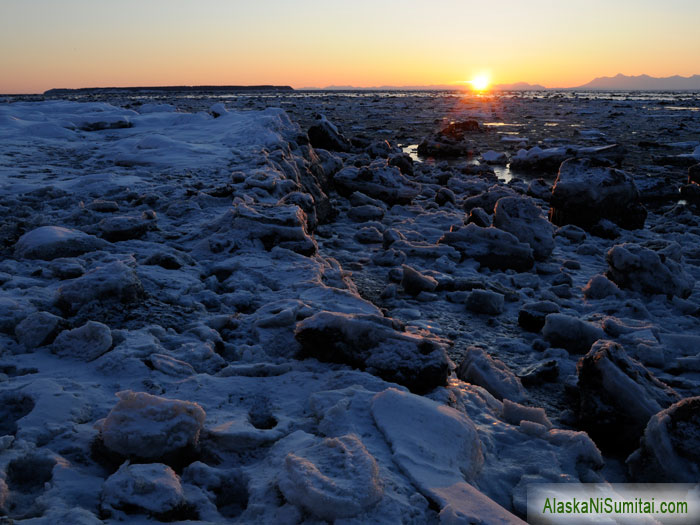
x=205, y=317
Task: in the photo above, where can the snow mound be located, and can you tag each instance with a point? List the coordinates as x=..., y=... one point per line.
x=51, y=242
x=336, y=478
x=147, y=426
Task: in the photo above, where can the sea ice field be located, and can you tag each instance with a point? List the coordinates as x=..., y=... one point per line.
x=344, y=307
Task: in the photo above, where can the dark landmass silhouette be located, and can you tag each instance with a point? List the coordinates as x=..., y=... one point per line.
x=644, y=83
x=164, y=89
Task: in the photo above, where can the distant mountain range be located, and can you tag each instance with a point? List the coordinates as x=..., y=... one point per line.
x=644, y=83
x=619, y=82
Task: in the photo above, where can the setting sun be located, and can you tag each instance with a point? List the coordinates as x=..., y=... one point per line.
x=480, y=83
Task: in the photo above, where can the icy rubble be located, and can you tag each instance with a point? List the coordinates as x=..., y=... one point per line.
x=249, y=360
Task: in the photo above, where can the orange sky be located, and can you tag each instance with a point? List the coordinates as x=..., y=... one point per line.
x=78, y=43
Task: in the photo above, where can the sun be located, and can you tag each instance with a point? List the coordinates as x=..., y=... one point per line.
x=480, y=83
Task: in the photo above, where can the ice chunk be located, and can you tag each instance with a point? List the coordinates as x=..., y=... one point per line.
x=147, y=426
x=378, y=180
x=491, y=247
x=38, y=329
x=150, y=488
x=435, y=445
x=586, y=192
x=50, y=242
x=372, y=343
x=515, y=413
x=86, y=342
x=649, y=271
x=670, y=447
x=570, y=332
x=112, y=281
x=482, y=370
x=336, y=478
x=618, y=395
x=521, y=217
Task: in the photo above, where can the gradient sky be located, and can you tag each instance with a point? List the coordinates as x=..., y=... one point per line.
x=558, y=43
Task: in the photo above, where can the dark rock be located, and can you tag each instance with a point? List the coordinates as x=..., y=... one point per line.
x=369, y=235
x=374, y=344
x=605, y=229
x=113, y=281
x=124, y=228
x=165, y=260
x=691, y=193
x=487, y=199
x=38, y=329
x=540, y=189
x=584, y=193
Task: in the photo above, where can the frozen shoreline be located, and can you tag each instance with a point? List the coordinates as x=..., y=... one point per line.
x=208, y=242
